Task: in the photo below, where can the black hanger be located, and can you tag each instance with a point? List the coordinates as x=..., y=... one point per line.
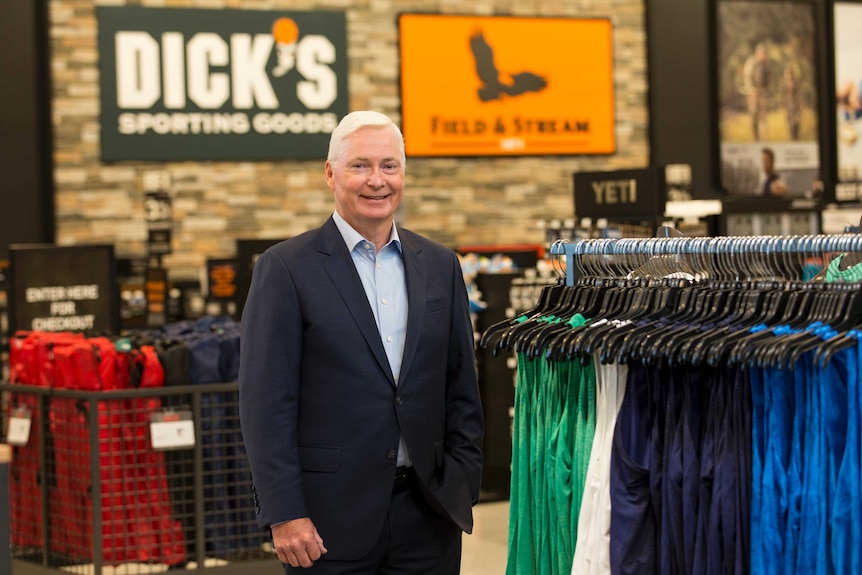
x=654, y=303
x=794, y=328
x=634, y=343
x=617, y=309
x=606, y=298
x=731, y=347
x=583, y=298
x=660, y=300
x=574, y=300
x=702, y=301
x=547, y=299
x=846, y=300
x=749, y=305
x=831, y=346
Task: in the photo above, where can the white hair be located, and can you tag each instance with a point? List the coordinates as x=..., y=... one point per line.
x=361, y=119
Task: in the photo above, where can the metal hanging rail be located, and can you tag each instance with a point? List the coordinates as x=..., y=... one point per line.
x=726, y=257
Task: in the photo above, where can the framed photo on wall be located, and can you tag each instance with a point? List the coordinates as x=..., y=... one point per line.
x=767, y=105
x=847, y=21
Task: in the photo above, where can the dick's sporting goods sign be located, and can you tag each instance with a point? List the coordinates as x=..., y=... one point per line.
x=188, y=84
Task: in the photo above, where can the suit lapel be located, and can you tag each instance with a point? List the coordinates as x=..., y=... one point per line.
x=415, y=273
x=339, y=266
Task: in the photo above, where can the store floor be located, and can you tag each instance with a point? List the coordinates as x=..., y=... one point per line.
x=484, y=551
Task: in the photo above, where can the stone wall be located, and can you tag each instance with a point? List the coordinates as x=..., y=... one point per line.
x=455, y=201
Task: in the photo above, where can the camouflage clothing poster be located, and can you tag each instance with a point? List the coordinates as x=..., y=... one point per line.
x=848, y=103
x=767, y=98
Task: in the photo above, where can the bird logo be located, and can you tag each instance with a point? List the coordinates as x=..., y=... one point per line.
x=493, y=87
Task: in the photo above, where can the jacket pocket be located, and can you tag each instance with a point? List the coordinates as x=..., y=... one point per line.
x=436, y=305
x=319, y=459
x=438, y=453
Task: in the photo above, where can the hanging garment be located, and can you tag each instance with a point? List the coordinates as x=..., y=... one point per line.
x=522, y=555
x=736, y=448
x=845, y=514
x=30, y=361
x=229, y=513
x=678, y=497
x=592, y=548
x=554, y=423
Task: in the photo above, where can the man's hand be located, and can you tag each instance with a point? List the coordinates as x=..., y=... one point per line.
x=778, y=187
x=297, y=542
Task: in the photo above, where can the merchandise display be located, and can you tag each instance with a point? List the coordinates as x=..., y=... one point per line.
x=90, y=403
x=690, y=408
x=136, y=519
x=649, y=404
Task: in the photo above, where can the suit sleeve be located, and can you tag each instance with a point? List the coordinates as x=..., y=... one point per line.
x=269, y=379
x=464, y=418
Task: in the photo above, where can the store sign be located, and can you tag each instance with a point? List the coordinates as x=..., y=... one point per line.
x=156, y=294
x=247, y=252
x=189, y=84
x=623, y=194
x=158, y=212
x=498, y=86
x=221, y=276
x=222, y=287
x=67, y=288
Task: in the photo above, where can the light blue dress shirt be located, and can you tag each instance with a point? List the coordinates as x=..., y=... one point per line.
x=382, y=275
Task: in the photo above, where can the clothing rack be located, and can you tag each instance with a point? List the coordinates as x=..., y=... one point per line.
x=729, y=257
x=667, y=393
x=709, y=297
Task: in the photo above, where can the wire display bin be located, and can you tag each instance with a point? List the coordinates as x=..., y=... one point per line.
x=148, y=479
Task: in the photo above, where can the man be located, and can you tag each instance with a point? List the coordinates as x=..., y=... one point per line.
x=359, y=401
x=849, y=104
x=756, y=77
x=772, y=184
x=790, y=89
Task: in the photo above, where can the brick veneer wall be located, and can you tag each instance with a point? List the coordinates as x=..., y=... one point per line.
x=455, y=201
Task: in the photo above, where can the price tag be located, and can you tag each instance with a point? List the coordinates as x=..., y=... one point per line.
x=19, y=426
x=172, y=430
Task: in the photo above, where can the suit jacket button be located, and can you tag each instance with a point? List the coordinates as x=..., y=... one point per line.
x=398, y=400
x=390, y=454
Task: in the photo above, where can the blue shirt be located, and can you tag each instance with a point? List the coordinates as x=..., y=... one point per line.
x=382, y=275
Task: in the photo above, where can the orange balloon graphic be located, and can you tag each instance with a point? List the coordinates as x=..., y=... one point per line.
x=285, y=31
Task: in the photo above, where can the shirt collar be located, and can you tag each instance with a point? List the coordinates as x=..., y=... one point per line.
x=352, y=237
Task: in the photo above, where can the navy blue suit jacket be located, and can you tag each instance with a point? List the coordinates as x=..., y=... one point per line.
x=321, y=413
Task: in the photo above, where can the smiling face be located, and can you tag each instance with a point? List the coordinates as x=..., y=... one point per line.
x=368, y=180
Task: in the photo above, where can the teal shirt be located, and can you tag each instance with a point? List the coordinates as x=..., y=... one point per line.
x=834, y=273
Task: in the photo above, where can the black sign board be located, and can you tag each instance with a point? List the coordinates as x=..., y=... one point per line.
x=221, y=286
x=207, y=84
x=158, y=210
x=622, y=195
x=63, y=288
x=159, y=242
x=130, y=282
x=221, y=279
x=156, y=294
x=247, y=252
